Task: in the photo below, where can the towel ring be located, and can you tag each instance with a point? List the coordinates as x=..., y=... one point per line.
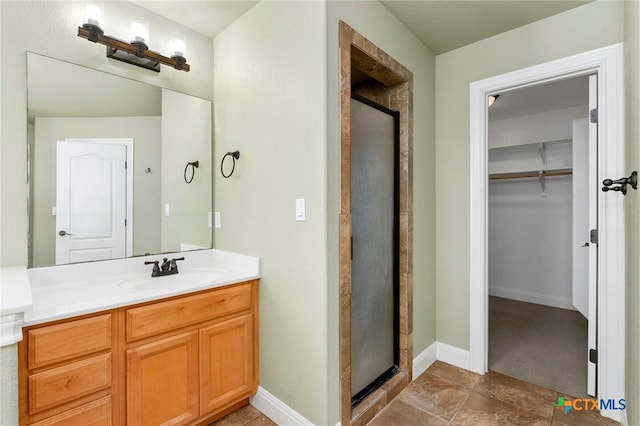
x=194, y=165
x=234, y=156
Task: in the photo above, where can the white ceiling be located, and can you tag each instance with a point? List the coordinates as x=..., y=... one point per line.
x=208, y=17
x=445, y=25
x=442, y=25
x=545, y=97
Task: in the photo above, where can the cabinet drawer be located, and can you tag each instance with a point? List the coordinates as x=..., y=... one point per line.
x=96, y=413
x=165, y=316
x=68, y=382
x=60, y=342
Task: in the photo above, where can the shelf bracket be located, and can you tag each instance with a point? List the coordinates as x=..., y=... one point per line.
x=543, y=154
x=542, y=183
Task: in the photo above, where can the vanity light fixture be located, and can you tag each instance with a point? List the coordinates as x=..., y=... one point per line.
x=137, y=51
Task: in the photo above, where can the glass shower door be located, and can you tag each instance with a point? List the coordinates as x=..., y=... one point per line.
x=374, y=246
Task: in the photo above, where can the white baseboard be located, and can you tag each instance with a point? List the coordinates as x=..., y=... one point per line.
x=526, y=296
x=623, y=419
x=424, y=360
x=617, y=415
x=276, y=410
x=454, y=356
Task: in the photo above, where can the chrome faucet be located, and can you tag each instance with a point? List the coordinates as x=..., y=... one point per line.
x=168, y=267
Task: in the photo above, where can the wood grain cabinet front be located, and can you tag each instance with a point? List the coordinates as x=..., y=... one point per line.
x=95, y=413
x=162, y=381
x=227, y=370
x=186, y=360
x=67, y=372
x=192, y=359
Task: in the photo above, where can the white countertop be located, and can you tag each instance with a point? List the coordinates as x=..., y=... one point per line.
x=15, y=299
x=15, y=292
x=70, y=290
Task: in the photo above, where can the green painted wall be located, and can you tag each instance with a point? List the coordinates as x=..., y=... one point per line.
x=276, y=98
x=270, y=98
x=581, y=29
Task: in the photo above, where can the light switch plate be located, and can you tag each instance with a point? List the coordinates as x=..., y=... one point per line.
x=217, y=220
x=300, y=209
x=167, y=209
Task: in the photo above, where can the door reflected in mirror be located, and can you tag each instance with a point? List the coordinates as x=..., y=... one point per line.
x=106, y=159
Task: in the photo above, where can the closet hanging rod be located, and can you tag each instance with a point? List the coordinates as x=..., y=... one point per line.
x=523, y=175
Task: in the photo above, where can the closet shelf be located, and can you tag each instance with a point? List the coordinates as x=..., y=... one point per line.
x=531, y=174
x=530, y=144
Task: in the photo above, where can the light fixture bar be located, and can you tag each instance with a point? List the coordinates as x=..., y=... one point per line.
x=127, y=52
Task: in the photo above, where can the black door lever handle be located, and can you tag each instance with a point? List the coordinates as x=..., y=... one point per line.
x=632, y=180
x=609, y=182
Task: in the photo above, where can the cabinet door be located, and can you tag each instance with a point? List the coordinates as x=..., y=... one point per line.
x=227, y=363
x=162, y=381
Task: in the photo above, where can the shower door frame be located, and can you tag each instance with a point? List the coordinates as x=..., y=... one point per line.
x=386, y=374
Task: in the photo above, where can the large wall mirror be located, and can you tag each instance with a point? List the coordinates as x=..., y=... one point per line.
x=112, y=166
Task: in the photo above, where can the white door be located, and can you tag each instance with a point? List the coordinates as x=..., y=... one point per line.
x=91, y=194
x=581, y=225
x=585, y=219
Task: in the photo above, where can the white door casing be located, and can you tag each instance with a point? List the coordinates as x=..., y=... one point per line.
x=91, y=198
x=607, y=64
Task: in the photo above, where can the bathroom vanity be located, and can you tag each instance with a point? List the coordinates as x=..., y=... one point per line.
x=180, y=350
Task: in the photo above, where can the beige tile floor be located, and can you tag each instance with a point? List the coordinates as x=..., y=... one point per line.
x=448, y=395
x=247, y=415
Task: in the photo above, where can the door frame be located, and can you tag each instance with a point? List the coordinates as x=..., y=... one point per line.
x=607, y=63
x=394, y=89
x=128, y=144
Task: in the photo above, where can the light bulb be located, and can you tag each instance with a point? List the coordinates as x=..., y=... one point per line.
x=93, y=13
x=178, y=44
x=139, y=30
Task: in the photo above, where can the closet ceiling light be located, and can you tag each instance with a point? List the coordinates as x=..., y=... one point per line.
x=492, y=99
x=137, y=52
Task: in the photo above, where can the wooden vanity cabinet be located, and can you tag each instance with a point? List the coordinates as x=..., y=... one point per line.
x=181, y=361
x=67, y=372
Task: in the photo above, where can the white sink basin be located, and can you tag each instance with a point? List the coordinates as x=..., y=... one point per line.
x=182, y=280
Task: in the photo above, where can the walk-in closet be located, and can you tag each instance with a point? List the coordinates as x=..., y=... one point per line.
x=538, y=232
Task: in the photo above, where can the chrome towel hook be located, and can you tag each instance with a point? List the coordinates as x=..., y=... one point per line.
x=234, y=156
x=194, y=165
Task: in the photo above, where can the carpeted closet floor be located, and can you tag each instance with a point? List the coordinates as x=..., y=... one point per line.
x=539, y=344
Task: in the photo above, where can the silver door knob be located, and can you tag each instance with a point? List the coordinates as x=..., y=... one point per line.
x=63, y=233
